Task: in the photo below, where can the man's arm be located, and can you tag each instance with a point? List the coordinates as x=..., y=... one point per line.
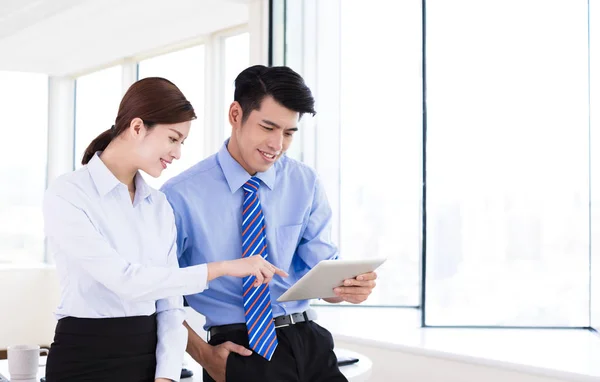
x=316, y=245
x=212, y=358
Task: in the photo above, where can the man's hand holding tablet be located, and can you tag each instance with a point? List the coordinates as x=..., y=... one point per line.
x=336, y=281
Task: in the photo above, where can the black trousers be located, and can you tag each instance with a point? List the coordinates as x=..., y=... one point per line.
x=304, y=354
x=103, y=349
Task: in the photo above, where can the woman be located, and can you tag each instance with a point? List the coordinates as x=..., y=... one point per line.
x=113, y=240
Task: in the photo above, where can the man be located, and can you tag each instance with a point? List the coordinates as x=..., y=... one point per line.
x=250, y=199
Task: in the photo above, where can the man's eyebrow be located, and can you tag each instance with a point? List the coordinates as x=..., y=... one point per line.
x=270, y=123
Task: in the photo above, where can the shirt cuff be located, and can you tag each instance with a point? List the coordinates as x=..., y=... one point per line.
x=172, y=340
x=169, y=369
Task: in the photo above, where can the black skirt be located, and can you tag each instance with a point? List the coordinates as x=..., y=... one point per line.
x=103, y=349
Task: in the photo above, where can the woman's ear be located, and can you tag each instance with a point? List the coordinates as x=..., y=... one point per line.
x=137, y=128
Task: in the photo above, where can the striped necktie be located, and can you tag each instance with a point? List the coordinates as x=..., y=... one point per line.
x=257, y=301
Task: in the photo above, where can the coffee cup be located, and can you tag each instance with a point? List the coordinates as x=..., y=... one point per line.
x=24, y=361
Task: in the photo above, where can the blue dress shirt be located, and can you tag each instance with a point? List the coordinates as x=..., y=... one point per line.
x=115, y=258
x=207, y=202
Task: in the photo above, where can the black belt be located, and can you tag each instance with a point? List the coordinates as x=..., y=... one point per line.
x=295, y=318
x=280, y=322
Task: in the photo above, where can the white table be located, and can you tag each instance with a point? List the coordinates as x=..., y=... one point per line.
x=358, y=372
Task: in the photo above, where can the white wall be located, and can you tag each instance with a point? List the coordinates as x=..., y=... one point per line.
x=28, y=297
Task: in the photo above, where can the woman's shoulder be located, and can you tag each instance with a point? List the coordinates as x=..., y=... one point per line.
x=74, y=184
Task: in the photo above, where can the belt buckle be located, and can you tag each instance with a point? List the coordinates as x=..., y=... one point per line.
x=284, y=325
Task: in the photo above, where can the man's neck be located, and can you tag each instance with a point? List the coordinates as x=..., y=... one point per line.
x=235, y=154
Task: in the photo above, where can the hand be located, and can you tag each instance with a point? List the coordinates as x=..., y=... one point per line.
x=215, y=363
x=163, y=380
x=256, y=266
x=358, y=289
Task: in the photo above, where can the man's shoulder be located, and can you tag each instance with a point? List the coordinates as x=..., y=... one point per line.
x=295, y=167
x=193, y=175
x=295, y=174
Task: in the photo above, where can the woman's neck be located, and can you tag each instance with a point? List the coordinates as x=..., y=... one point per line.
x=118, y=161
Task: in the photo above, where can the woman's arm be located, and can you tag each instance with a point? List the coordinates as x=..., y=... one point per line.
x=71, y=232
x=172, y=335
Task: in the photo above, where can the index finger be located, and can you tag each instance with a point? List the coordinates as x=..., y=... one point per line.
x=280, y=272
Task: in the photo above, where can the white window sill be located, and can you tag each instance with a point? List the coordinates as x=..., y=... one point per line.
x=560, y=353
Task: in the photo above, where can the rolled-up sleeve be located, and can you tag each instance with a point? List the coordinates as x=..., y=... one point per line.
x=315, y=244
x=172, y=335
x=70, y=231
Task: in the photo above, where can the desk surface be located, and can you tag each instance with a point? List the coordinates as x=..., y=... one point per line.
x=358, y=372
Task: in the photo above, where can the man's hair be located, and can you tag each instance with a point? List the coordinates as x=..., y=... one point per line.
x=280, y=82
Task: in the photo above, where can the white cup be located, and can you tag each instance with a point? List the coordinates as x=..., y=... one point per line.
x=24, y=361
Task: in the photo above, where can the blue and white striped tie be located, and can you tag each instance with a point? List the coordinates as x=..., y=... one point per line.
x=257, y=301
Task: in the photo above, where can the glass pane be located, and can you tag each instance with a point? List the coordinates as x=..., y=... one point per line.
x=507, y=163
x=595, y=158
x=381, y=143
x=185, y=68
x=96, y=105
x=24, y=109
x=237, y=58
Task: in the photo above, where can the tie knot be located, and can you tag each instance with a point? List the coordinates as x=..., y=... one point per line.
x=252, y=185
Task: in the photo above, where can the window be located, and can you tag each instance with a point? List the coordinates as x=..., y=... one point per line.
x=97, y=99
x=507, y=163
x=381, y=143
x=237, y=58
x=24, y=102
x=507, y=150
x=185, y=68
x=366, y=142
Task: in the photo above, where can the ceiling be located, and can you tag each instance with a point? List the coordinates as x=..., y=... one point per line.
x=67, y=37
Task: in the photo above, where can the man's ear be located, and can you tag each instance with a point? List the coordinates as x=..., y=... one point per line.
x=236, y=114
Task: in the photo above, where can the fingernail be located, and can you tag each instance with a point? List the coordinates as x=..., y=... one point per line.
x=360, y=278
x=337, y=290
x=347, y=282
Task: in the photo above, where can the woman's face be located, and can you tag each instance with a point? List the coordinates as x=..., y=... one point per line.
x=159, y=146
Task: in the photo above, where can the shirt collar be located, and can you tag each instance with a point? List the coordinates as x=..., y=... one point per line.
x=141, y=188
x=236, y=175
x=105, y=181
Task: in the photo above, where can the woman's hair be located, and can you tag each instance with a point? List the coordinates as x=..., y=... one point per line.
x=154, y=100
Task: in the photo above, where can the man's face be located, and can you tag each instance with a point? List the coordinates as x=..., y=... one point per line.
x=263, y=138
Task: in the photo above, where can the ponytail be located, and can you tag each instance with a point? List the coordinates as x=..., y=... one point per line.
x=98, y=144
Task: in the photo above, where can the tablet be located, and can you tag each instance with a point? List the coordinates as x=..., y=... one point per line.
x=326, y=275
